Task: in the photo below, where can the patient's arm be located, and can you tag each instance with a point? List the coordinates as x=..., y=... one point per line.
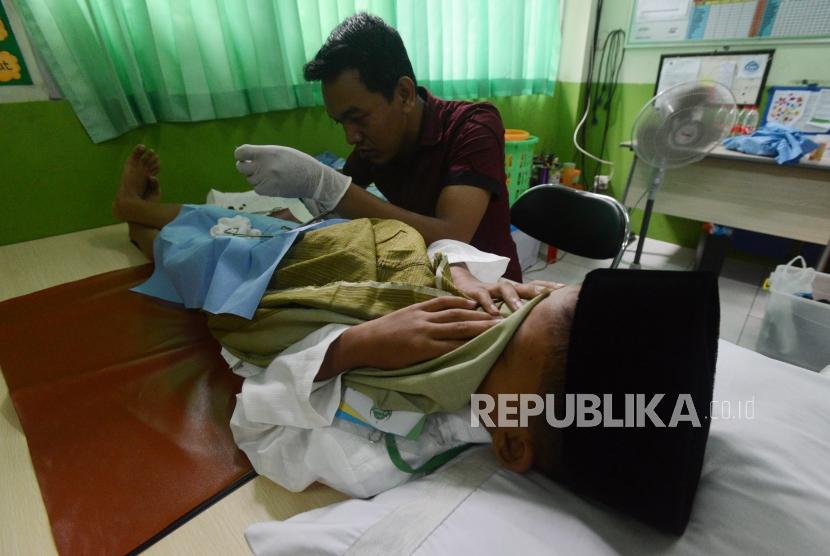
x=407, y=336
x=478, y=275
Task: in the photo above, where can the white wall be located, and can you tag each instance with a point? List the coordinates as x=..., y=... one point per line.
x=577, y=26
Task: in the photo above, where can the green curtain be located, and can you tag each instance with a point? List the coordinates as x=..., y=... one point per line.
x=125, y=63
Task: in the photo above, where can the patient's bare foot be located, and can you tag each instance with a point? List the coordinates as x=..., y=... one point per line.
x=153, y=191
x=138, y=181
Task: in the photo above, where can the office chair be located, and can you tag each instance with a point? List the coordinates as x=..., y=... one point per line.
x=579, y=222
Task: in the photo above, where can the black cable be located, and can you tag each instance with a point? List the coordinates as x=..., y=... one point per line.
x=610, y=64
x=580, y=157
x=609, y=72
x=601, y=82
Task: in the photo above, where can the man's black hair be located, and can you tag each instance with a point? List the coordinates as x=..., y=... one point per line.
x=366, y=43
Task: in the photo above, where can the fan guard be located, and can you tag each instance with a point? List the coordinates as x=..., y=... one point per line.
x=683, y=123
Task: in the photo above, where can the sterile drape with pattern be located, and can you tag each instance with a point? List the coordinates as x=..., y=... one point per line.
x=125, y=63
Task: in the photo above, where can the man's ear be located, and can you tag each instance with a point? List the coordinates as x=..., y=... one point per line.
x=406, y=92
x=513, y=448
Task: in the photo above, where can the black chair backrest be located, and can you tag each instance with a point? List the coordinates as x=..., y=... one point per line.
x=579, y=222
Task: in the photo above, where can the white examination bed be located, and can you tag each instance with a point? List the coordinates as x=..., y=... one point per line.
x=764, y=489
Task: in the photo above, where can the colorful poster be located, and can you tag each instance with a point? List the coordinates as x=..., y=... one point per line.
x=805, y=109
x=12, y=66
x=787, y=107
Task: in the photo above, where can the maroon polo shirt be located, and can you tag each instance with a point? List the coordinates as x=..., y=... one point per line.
x=459, y=143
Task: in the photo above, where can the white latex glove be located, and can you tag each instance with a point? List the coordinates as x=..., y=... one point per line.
x=285, y=172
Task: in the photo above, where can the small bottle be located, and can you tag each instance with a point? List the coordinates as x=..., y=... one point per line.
x=568, y=173
x=738, y=126
x=749, y=122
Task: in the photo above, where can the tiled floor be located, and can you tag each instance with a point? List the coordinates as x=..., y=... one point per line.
x=741, y=297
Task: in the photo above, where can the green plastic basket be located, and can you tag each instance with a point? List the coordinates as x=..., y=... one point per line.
x=518, y=162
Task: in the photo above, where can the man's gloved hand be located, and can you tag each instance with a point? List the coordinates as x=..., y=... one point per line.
x=285, y=172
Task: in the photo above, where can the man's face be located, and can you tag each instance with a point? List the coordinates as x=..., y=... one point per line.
x=374, y=125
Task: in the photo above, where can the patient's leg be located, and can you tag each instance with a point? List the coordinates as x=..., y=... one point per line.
x=137, y=199
x=143, y=237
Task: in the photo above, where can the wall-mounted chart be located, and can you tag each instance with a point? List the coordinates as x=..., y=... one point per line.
x=728, y=20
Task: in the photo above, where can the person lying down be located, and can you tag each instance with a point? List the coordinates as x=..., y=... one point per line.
x=362, y=349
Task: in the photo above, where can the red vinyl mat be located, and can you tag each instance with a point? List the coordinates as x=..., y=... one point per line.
x=125, y=403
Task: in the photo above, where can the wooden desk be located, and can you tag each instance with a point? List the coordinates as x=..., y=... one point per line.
x=24, y=526
x=744, y=191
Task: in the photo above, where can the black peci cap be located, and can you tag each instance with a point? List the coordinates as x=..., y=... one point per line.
x=643, y=332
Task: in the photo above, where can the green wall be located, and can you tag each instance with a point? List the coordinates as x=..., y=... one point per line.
x=55, y=180
x=549, y=118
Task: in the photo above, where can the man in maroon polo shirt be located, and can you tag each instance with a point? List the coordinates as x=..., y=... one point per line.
x=458, y=154
x=439, y=163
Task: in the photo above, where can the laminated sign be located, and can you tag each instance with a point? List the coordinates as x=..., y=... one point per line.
x=12, y=66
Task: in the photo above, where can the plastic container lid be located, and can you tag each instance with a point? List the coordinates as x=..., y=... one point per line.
x=516, y=135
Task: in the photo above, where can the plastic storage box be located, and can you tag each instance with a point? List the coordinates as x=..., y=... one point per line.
x=795, y=329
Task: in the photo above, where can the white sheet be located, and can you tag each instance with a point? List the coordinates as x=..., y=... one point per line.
x=764, y=489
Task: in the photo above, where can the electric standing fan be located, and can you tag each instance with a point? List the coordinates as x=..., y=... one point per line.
x=679, y=126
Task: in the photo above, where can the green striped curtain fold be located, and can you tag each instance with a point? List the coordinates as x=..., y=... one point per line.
x=126, y=63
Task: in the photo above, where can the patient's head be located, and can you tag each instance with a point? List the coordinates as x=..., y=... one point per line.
x=533, y=363
x=623, y=335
